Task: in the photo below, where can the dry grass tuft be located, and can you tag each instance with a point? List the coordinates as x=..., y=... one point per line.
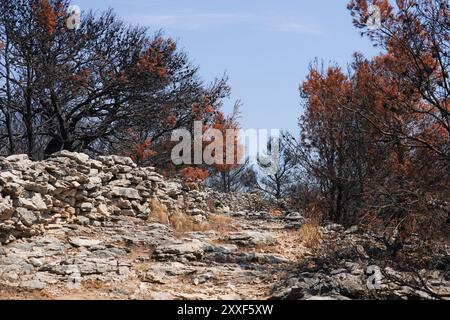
x=182, y=223
x=159, y=212
x=93, y=284
x=310, y=234
x=220, y=223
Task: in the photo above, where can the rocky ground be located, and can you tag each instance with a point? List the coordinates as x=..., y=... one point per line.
x=128, y=259
x=73, y=227
x=253, y=256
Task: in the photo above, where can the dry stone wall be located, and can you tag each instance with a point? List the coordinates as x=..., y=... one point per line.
x=72, y=187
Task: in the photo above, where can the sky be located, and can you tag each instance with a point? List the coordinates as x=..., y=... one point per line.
x=265, y=47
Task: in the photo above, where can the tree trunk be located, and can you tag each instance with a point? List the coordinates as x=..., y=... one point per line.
x=8, y=112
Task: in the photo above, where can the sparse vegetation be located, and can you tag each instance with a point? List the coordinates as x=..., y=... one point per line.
x=88, y=119
x=182, y=222
x=158, y=212
x=310, y=235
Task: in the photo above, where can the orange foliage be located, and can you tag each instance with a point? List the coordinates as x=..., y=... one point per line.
x=153, y=61
x=46, y=16
x=123, y=78
x=275, y=213
x=170, y=121
x=229, y=127
x=379, y=138
x=413, y=74
x=203, y=110
x=142, y=151
x=139, y=149
x=194, y=174
x=80, y=80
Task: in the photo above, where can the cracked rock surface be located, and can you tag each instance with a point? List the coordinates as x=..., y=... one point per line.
x=72, y=227
x=129, y=259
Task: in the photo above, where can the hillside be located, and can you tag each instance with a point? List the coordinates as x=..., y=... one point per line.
x=77, y=228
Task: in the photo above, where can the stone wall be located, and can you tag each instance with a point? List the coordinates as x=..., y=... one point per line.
x=234, y=202
x=73, y=188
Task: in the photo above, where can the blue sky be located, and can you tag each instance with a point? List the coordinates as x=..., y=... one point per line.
x=264, y=46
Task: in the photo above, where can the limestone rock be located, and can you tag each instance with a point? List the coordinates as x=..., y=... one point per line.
x=84, y=242
x=27, y=217
x=125, y=193
x=17, y=158
x=252, y=238
x=32, y=201
x=6, y=208
x=189, y=250
x=32, y=285
x=77, y=157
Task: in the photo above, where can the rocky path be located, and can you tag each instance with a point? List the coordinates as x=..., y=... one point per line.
x=73, y=227
x=128, y=258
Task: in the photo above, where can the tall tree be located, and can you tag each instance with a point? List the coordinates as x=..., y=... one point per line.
x=415, y=35
x=231, y=173
x=84, y=89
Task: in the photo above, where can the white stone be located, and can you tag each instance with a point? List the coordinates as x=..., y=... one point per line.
x=27, y=217
x=84, y=242
x=18, y=158
x=78, y=157
x=6, y=208
x=32, y=201
x=125, y=193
